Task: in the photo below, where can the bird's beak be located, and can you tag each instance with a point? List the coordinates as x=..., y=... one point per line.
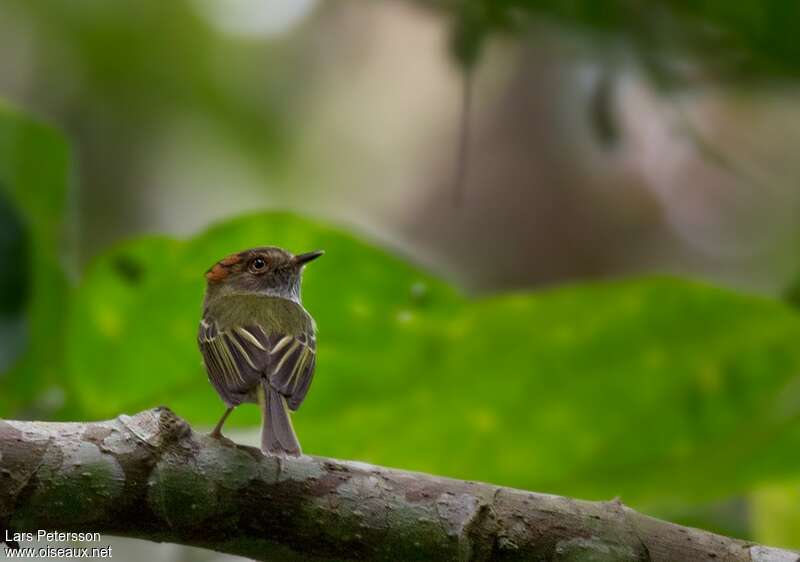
x=303, y=259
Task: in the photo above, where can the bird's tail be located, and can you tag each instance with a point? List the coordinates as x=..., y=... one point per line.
x=277, y=433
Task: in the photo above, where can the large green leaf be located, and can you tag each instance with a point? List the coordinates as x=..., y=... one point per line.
x=34, y=171
x=775, y=515
x=652, y=389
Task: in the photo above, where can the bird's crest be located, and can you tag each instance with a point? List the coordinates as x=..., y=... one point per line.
x=221, y=269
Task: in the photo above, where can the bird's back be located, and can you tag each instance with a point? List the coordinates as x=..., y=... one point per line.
x=249, y=339
x=272, y=314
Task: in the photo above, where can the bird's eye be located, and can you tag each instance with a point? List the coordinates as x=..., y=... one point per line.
x=257, y=264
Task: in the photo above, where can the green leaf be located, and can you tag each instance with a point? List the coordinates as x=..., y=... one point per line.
x=34, y=170
x=651, y=389
x=774, y=514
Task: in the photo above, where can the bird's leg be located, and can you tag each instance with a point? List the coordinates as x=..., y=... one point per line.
x=216, y=433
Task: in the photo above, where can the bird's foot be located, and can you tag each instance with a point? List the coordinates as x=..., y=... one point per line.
x=217, y=436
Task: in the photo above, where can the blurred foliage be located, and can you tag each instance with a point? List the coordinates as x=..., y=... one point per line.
x=642, y=388
x=34, y=171
x=146, y=65
x=792, y=294
x=14, y=281
x=736, y=38
x=651, y=389
x=776, y=518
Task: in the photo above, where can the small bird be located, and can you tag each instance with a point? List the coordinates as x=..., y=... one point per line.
x=258, y=342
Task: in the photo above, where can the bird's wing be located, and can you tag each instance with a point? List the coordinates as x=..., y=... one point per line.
x=233, y=366
x=292, y=366
x=237, y=358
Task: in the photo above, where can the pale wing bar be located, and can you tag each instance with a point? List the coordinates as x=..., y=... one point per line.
x=292, y=367
x=236, y=360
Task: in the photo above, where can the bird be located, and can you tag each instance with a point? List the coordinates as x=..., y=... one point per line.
x=257, y=341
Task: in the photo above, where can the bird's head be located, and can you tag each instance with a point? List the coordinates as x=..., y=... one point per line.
x=267, y=271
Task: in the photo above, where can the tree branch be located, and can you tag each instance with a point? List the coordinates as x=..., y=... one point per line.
x=150, y=476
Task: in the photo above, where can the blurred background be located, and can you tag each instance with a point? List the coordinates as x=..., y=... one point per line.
x=603, y=305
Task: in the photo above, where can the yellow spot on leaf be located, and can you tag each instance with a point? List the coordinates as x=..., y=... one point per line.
x=108, y=321
x=484, y=420
x=360, y=309
x=709, y=378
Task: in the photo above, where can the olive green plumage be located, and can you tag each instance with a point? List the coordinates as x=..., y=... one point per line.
x=258, y=342
x=271, y=313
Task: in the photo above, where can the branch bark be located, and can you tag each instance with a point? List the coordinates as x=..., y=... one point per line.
x=150, y=476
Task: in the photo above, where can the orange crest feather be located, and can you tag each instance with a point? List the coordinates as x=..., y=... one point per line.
x=220, y=271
